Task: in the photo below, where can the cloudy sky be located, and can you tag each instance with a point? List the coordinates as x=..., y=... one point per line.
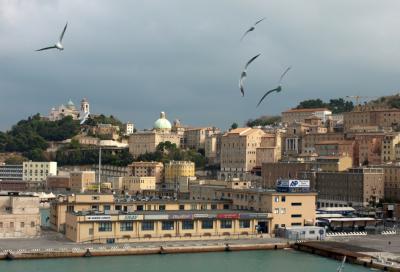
x=134, y=58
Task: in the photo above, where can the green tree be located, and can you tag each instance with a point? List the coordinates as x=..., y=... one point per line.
x=311, y=104
x=234, y=125
x=264, y=121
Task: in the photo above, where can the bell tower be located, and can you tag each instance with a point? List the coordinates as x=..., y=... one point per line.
x=85, y=107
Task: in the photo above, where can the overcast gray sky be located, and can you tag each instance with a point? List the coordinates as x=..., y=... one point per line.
x=134, y=59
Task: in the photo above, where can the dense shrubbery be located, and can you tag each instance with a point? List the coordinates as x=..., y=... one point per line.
x=30, y=136
x=335, y=105
x=263, y=121
x=74, y=154
x=167, y=151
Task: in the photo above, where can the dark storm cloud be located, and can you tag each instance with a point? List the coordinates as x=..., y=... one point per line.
x=136, y=58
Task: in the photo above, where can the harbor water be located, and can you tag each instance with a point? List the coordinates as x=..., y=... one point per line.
x=245, y=261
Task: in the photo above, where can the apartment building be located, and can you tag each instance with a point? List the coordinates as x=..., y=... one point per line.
x=38, y=171
x=147, y=169
x=81, y=181
x=238, y=150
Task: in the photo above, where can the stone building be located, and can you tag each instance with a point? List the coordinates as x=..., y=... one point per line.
x=147, y=141
x=371, y=116
x=147, y=169
x=299, y=115
x=357, y=187
x=19, y=216
x=238, y=151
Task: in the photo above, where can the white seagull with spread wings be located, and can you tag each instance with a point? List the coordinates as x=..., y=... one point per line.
x=252, y=28
x=58, y=45
x=277, y=89
x=244, y=74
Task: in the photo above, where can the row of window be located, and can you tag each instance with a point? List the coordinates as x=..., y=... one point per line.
x=170, y=225
x=11, y=224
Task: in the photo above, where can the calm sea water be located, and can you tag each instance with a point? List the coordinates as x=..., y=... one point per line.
x=246, y=261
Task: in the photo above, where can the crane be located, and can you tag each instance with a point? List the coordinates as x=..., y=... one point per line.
x=357, y=97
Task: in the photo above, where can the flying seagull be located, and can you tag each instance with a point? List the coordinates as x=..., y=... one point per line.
x=252, y=28
x=244, y=74
x=277, y=89
x=58, y=45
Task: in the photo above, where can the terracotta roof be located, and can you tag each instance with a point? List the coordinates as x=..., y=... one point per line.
x=334, y=142
x=307, y=110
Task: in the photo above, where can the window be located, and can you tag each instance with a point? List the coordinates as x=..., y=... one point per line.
x=226, y=206
x=11, y=224
x=147, y=225
x=95, y=207
x=167, y=225
x=296, y=215
x=207, y=224
x=126, y=226
x=283, y=198
x=139, y=207
x=213, y=206
x=1, y=224
x=70, y=208
x=105, y=226
x=187, y=224
x=226, y=224
x=276, y=198
x=161, y=207
x=118, y=207
x=311, y=232
x=282, y=210
x=193, y=207
x=22, y=224
x=181, y=207
x=32, y=224
x=276, y=210
x=296, y=224
x=107, y=207
x=95, y=197
x=244, y=224
x=296, y=203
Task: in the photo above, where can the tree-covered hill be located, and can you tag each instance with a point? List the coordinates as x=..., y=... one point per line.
x=31, y=136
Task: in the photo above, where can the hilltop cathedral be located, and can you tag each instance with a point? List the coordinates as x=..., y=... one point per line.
x=70, y=110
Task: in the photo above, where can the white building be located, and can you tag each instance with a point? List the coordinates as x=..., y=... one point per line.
x=38, y=171
x=129, y=128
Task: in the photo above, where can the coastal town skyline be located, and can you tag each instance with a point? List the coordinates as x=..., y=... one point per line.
x=120, y=57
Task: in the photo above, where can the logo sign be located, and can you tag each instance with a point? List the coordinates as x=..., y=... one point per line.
x=293, y=183
x=98, y=218
x=282, y=183
x=299, y=183
x=180, y=216
x=228, y=216
x=131, y=217
x=200, y=215
x=156, y=217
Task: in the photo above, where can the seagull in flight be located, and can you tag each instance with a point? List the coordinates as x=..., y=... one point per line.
x=252, y=28
x=58, y=45
x=244, y=74
x=277, y=89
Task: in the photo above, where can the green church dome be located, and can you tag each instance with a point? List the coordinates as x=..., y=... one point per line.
x=162, y=123
x=70, y=105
